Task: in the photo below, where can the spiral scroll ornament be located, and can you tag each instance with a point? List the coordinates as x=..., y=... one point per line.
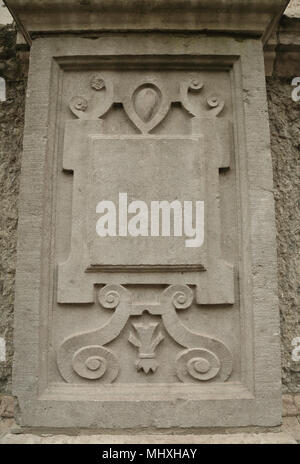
x=196, y=84
x=213, y=101
x=206, y=357
x=181, y=296
x=95, y=362
x=79, y=103
x=198, y=363
x=109, y=297
x=84, y=357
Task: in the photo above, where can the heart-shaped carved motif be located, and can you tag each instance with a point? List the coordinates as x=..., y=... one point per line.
x=146, y=103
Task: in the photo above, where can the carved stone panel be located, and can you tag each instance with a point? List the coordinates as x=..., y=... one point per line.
x=126, y=169
x=149, y=236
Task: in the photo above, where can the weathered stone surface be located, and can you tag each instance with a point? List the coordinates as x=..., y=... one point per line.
x=218, y=377
x=285, y=137
x=297, y=403
x=257, y=17
x=11, y=136
x=239, y=438
x=289, y=433
x=285, y=140
x=159, y=89
x=6, y=406
x=283, y=121
x=6, y=426
x=282, y=51
x=292, y=426
x=288, y=406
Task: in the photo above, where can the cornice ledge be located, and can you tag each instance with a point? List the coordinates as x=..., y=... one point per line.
x=282, y=52
x=244, y=17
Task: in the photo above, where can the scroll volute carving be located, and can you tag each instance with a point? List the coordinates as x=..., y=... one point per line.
x=208, y=106
x=84, y=358
x=147, y=102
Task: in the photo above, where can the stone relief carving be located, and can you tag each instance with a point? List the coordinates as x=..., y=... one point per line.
x=83, y=358
x=147, y=102
x=96, y=106
x=146, y=342
x=73, y=366
x=210, y=106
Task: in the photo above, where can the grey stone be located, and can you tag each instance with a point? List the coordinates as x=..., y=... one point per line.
x=212, y=439
x=6, y=406
x=6, y=425
x=11, y=136
x=297, y=403
x=288, y=434
x=282, y=52
x=146, y=335
x=288, y=407
x=291, y=426
x=285, y=140
x=258, y=17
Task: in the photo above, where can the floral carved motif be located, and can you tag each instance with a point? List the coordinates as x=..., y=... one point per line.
x=83, y=357
x=147, y=102
x=146, y=342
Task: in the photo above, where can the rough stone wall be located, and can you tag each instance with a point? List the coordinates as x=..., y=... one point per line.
x=285, y=143
x=285, y=135
x=11, y=133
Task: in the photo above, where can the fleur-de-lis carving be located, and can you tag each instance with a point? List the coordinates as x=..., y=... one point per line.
x=146, y=342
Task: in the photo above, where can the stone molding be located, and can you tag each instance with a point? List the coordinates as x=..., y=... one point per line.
x=290, y=404
x=256, y=18
x=282, y=52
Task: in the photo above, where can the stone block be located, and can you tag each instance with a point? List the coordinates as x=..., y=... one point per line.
x=291, y=426
x=289, y=407
x=283, y=438
x=297, y=403
x=124, y=321
x=6, y=406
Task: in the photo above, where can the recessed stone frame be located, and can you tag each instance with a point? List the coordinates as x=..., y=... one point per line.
x=254, y=399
